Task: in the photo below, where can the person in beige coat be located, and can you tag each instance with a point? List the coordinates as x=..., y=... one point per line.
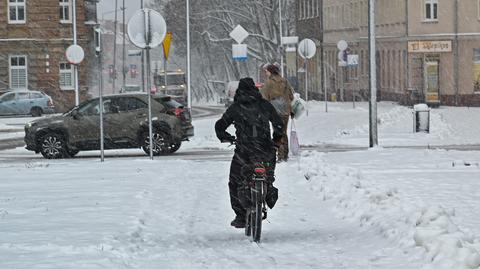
x=279, y=92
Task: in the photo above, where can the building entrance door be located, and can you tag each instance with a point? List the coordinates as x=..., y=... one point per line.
x=432, y=89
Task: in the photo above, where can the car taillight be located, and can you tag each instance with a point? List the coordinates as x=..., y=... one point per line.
x=178, y=111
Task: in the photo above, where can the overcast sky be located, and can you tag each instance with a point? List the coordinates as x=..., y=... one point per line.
x=106, y=8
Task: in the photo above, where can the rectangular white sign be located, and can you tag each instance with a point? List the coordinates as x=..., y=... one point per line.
x=430, y=46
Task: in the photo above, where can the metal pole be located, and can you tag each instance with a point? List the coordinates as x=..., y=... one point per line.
x=325, y=86
x=115, y=47
x=373, y=74
x=165, y=72
x=75, y=67
x=281, y=34
x=149, y=93
x=189, y=90
x=123, y=44
x=102, y=142
x=322, y=49
x=456, y=55
x=143, y=59
x=306, y=84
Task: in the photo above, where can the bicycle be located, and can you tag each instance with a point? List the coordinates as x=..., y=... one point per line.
x=255, y=204
x=257, y=209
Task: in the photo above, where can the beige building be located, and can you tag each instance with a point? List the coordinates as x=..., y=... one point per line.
x=427, y=50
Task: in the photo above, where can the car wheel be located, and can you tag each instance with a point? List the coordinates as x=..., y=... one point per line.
x=52, y=146
x=36, y=112
x=160, y=140
x=175, y=146
x=72, y=152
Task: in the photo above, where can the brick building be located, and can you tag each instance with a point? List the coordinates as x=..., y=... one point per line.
x=427, y=50
x=34, y=35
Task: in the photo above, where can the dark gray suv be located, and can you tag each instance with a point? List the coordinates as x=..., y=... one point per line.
x=125, y=126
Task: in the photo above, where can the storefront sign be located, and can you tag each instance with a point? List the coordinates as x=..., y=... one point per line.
x=429, y=46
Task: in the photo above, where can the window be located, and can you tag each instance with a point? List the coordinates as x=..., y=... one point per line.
x=66, y=76
x=476, y=70
x=478, y=9
x=130, y=104
x=65, y=11
x=18, y=72
x=8, y=97
x=431, y=10
x=16, y=11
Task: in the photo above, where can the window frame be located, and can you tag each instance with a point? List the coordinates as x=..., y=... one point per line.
x=62, y=5
x=432, y=4
x=16, y=5
x=65, y=71
x=10, y=68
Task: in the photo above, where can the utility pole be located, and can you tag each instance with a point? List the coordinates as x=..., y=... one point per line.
x=115, y=47
x=373, y=75
x=123, y=49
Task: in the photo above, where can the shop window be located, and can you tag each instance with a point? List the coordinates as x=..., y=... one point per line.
x=16, y=11
x=18, y=72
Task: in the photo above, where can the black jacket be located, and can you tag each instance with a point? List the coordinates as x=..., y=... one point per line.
x=251, y=115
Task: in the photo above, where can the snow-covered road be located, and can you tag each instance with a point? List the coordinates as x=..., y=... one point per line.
x=132, y=213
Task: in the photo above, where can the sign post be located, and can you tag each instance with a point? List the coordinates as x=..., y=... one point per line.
x=146, y=30
x=307, y=50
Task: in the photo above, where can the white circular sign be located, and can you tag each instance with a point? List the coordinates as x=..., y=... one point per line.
x=342, y=45
x=307, y=48
x=75, y=54
x=146, y=21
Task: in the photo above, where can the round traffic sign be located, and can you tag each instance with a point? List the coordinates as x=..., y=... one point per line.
x=146, y=28
x=307, y=48
x=74, y=54
x=342, y=45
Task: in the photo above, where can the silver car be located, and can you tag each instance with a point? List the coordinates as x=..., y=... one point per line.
x=34, y=103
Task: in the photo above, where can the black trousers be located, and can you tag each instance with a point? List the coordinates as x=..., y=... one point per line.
x=241, y=169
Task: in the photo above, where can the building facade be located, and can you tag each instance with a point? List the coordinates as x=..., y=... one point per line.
x=34, y=35
x=427, y=50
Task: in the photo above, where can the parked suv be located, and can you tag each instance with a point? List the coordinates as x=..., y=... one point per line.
x=125, y=126
x=34, y=103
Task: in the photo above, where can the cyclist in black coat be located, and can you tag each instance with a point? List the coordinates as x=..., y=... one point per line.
x=251, y=115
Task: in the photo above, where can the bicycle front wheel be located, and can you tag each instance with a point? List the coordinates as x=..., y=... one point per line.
x=256, y=215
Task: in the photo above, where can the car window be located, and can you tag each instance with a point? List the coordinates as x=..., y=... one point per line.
x=130, y=103
x=35, y=95
x=23, y=96
x=8, y=97
x=92, y=108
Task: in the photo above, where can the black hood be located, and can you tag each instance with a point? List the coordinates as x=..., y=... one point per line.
x=247, y=92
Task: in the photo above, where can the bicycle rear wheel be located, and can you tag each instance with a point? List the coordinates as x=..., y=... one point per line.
x=256, y=215
x=248, y=223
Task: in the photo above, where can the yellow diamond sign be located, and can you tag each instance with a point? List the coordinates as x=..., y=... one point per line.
x=166, y=44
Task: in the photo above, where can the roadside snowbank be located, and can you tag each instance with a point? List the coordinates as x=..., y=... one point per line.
x=385, y=210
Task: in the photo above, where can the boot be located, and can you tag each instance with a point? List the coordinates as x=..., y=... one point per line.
x=272, y=195
x=238, y=222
